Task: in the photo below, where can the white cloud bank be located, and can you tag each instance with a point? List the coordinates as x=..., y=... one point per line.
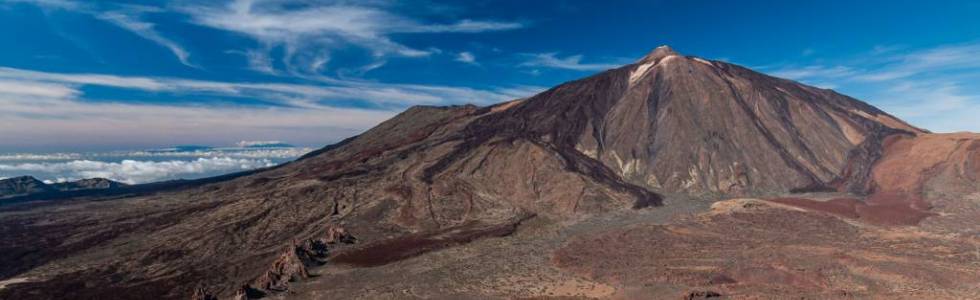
x=270, y=153
x=135, y=171
x=144, y=166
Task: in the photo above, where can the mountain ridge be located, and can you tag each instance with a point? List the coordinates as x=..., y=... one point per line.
x=28, y=185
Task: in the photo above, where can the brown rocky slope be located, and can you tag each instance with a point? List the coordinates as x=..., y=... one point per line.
x=666, y=128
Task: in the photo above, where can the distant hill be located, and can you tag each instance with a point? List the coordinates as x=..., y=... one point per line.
x=24, y=185
x=264, y=144
x=87, y=184
x=27, y=185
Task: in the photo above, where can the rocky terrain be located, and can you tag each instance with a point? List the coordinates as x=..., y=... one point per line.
x=672, y=177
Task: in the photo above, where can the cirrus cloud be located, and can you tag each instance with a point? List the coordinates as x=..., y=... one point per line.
x=128, y=17
x=308, y=32
x=572, y=62
x=44, y=109
x=933, y=88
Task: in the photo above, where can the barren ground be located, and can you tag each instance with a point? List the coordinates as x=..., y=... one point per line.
x=739, y=249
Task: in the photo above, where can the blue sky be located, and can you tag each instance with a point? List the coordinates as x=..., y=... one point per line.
x=101, y=75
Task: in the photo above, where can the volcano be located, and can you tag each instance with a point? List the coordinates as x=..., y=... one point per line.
x=614, y=185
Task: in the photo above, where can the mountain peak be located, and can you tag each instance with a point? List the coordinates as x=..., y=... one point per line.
x=658, y=53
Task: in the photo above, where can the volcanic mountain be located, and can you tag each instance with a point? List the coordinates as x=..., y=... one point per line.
x=22, y=186
x=505, y=186
x=27, y=185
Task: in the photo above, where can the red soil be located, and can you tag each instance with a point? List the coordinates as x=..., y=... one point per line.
x=883, y=211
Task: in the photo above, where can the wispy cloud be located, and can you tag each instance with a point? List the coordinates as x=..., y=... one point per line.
x=35, y=89
x=887, y=63
x=933, y=87
x=325, y=26
x=298, y=95
x=572, y=62
x=257, y=60
x=943, y=59
x=45, y=122
x=43, y=107
x=130, y=19
x=127, y=17
x=466, y=58
x=938, y=104
x=811, y=72
x=38, y=156
x=52, y=4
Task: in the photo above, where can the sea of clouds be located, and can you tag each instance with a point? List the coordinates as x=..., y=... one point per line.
x=143, y=166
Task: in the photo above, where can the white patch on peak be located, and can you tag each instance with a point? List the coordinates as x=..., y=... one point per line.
x=667, y=59
x=700, y=60
x=641, y=70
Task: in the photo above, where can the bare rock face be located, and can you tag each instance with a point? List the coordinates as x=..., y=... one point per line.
x=914, y=178
x=287, y=268
x=938, y=174
x=437, y=177
x=910, y=165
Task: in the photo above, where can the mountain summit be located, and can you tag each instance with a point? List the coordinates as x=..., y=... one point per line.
x=657, y=132
x=657, y=54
